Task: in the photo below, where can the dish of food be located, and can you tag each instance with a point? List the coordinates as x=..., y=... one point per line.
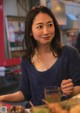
x=7, y=108
x=68, y=106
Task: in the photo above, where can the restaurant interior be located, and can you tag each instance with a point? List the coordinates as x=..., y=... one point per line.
x=67, y=13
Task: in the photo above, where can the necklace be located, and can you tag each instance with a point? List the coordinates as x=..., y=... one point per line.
x=43, y=63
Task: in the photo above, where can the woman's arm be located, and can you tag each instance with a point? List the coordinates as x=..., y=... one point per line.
x=72, y=86
x=14, y=97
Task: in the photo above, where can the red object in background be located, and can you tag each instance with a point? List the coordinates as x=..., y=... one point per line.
x=3, y=60
x=11, y=62
x=2, y=54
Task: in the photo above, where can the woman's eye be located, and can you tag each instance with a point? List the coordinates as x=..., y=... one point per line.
x=39, y=27
x=50, y=25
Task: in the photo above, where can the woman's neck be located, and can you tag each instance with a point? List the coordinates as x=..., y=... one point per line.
x=43, y=50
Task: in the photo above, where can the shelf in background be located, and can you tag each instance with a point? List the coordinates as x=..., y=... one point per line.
x=15, y=48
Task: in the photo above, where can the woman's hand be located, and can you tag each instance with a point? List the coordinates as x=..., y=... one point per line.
x=67, y=87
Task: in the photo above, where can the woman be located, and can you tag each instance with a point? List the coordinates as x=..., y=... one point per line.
x=46, y=62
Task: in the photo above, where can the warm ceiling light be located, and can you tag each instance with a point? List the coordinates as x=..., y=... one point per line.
x=58, y=8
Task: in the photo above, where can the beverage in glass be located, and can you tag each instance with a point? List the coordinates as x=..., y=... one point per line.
x=52, y=94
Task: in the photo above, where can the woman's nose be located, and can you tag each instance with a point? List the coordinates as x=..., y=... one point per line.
x=45, y=30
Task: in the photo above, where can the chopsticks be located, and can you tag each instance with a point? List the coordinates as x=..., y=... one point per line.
x=31, y=104
x=45, y=101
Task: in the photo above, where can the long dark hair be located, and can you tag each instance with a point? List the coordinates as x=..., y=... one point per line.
x=30, y=43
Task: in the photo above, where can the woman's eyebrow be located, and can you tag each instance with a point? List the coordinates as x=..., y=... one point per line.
x=50, y=22
x=39, y=23
x=42, y=23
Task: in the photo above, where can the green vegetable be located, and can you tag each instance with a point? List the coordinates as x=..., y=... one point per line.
x=40, y=110
x=67, y=104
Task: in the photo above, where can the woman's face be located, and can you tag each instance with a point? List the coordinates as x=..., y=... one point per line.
x=43, y=29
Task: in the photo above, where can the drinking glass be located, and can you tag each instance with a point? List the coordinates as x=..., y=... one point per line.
x=52, y=94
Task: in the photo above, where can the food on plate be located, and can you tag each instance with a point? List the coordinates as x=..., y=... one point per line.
x=75, y=109
x=17, y=109
x=40, y=110
x=6, y=108
x=56, y=108
x=67, y=104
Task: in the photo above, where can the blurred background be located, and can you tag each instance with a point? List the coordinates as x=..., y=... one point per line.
x=12, y=22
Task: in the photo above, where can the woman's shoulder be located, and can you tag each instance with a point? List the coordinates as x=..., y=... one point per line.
x=70, y=51
x=69, y=48
x=24, y=61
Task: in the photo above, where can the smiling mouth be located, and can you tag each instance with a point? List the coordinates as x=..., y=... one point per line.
x=46, y=38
